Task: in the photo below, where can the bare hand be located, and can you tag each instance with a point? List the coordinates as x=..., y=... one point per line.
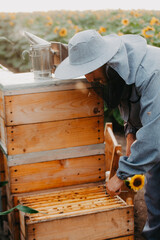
x=113, y=186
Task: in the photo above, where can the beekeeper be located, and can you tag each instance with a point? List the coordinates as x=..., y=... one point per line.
x=128, y=70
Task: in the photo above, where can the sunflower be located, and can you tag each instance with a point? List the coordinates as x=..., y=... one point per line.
x=63, y=32
x=48, y=18
x=136, y=182
x=49, y=23
x=135, y=14
x=102, y=30
x=55, y=30
x=146, y=32
x=125, y=22
x=77, y=29
x=154, y=21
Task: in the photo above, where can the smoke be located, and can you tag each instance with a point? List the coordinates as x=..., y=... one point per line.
x=82, y=87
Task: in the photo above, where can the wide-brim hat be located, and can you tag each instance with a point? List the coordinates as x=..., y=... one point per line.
x=87, y=51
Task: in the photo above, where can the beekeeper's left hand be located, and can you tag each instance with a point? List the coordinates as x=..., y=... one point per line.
x=113, y=186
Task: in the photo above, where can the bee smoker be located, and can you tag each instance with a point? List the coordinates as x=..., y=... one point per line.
x=45, y=56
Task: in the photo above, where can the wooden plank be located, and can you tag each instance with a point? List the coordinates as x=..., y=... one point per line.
x=21, y=236
x=55, y=135
x=117, y=152
x=45, y=175
x=28, y=158
x=109, y=145
x=113, y=151
x=13, y=220
x=102, y=225
x=22, y=225
x=52, y=106
x=10, y=220
x=14, y=226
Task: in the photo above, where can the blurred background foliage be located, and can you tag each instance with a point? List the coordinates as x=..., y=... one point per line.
x=60, y=26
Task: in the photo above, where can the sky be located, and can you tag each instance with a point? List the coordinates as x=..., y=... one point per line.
x=47, y=5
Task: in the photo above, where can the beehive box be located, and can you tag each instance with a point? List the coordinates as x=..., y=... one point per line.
x=48, y=127
x=52, y=137
x=31, y=112
x=77, y=213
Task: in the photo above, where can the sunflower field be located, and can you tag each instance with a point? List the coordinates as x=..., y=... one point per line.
x=60, y=26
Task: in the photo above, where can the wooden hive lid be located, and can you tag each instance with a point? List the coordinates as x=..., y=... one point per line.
x=24, y=83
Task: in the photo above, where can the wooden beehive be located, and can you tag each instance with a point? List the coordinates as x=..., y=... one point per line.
x=52, y=133
x=29, y=118
x=52, y=138
x=76, y=213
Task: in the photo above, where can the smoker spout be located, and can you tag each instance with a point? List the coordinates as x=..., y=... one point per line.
x=33, y=39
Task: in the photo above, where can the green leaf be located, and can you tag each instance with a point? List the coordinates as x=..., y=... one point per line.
x=26, y=209
x=127, y=184
x=20, y=208
x=117, y=116
x=7, y=212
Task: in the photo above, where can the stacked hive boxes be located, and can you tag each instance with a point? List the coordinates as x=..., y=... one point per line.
x=52, y=138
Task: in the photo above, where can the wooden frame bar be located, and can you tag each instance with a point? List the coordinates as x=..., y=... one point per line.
x=58, y=154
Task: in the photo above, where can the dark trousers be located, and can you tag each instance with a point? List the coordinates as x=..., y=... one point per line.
x=151, y=229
